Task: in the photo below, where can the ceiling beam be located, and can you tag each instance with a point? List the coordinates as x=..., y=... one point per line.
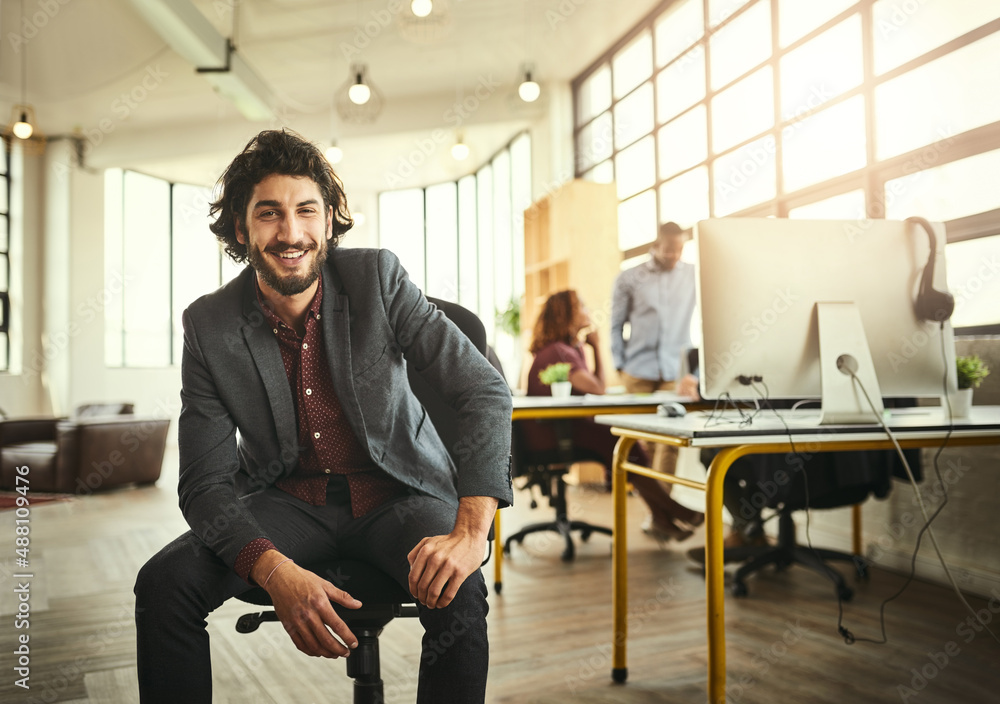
x=192, y=36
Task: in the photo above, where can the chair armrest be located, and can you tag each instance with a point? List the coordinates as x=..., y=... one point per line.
x=13, y=432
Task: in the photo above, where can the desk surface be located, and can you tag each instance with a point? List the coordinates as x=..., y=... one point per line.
x=698, y=429
x=650, y=399
x=538, y=407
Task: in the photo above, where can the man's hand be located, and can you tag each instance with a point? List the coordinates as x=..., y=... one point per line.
x=688, y=386
x=439, y=564
x=302, y=603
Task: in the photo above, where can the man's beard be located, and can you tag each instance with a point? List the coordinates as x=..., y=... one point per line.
x=287, y=285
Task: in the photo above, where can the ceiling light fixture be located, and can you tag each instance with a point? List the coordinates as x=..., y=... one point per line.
x=425, y=21
x=22, y=128
x=529, y=90
x=421, y=8
x=359, y=92
x=358, y=100
x=22, y=115
x=460, y=150
x=333, y=153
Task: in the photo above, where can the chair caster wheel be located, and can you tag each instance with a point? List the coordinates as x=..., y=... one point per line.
x=585, y=535
x=845, y=593
x=740, y=589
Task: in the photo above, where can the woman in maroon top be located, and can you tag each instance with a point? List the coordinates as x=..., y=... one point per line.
x=556, y=338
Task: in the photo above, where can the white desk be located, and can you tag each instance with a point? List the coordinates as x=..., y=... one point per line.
x=913, y=429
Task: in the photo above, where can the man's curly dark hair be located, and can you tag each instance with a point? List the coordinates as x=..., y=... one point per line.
x=273, y=152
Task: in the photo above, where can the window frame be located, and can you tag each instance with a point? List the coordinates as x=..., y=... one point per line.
x=871, y=177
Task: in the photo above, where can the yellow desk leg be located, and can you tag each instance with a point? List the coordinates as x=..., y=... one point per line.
x=619, y=559
x=497, y=554
x=715, y=589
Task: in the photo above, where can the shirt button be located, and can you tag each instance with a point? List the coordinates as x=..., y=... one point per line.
x=276, y=331
x=316, y=435
x=317, y=316
x=309, y=392
x=326, y=471
x=305, y=345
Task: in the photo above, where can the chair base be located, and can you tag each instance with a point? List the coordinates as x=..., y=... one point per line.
x=787, y=553
x=564, y=527
x=382, y=599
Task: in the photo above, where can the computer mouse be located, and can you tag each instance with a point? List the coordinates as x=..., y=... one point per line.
x=671, y=410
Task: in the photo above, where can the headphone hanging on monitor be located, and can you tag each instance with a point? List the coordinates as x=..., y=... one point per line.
x=931, y=304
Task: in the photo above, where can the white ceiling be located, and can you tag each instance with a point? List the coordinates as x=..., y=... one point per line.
x=90, y=62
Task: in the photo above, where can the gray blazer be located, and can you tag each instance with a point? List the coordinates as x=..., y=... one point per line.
x=238, y=431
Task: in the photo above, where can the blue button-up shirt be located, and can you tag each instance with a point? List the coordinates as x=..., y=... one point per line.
x=658, y=305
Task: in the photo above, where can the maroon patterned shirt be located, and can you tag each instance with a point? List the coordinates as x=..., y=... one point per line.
x=327, y=441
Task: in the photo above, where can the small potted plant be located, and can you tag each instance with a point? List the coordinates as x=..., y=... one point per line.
x=971, y=372
x=557, y=377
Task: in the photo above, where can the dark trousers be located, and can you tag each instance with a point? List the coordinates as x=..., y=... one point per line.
x=179, y=586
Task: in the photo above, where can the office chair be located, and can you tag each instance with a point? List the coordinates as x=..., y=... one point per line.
x=546, y=469
x=835, y=480
x=383, y=598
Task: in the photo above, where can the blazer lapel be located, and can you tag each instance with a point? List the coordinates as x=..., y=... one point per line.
x=267, y=357
x=337, y=344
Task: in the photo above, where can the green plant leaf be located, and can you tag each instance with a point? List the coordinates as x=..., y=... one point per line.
x=971, y=371
x=555, y=372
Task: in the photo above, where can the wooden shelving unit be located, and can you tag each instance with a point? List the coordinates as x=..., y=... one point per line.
x=571, y=241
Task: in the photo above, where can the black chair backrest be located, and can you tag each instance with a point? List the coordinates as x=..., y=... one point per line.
x=443, y=416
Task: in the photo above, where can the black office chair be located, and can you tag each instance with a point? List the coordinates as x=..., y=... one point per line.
x=382, y=597
x=546, y=470
x=835, y=480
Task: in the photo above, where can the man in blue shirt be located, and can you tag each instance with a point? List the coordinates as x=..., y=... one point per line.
x=657, y=299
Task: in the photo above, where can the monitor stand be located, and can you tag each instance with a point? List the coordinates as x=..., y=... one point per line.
x=843, y=348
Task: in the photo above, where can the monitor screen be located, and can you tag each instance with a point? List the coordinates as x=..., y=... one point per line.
x=759, y=283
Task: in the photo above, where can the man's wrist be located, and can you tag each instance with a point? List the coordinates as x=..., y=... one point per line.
x=475, y=516
x=264, y=565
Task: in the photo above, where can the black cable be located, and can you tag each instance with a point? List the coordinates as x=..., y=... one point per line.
x=717, y=414
x=805, y=483
x=929, y=519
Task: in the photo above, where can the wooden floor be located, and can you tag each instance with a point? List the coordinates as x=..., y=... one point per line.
x=550, y=630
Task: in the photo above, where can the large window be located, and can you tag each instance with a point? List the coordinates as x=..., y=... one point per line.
x=834, y=109
x=159, y=251
x=464, y=241
x=5, y=311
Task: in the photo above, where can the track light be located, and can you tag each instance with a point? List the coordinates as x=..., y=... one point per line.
x=421, y=8
x=529, y=90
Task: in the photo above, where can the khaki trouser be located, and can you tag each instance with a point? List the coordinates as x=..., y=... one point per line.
x=664, y=456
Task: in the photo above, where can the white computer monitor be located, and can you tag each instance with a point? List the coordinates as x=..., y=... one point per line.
x=768, y=287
